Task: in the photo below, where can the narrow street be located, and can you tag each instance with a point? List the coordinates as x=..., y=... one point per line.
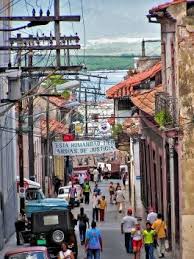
x=113, y=240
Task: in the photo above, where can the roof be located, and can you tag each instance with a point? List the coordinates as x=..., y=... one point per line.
x=58, y=101
x=145, y=101
x=54, y=126
x=27, y=249
x=166, y=5
x=125, y=88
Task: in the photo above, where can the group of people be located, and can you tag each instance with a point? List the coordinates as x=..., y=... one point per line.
x=153, y=236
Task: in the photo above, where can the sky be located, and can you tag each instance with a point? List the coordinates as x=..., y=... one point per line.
x=103, y=18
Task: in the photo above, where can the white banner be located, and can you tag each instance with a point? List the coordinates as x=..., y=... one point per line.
x=87, y=147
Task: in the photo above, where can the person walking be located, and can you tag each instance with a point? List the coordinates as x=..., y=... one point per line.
x=100, y=173
x=160, y=228
x=124, y=178
x=95, y=205
x=137, y=241
x=120, y=199
x=148, y=235
x=83, y=220
x=72, y=195
x=96, y=175
x=127, y=225
x=81, y=180
x=65, y=253
x=93, y=244
x=111, y=192
x=102, y=207
x=86, y=192
x=152, y=215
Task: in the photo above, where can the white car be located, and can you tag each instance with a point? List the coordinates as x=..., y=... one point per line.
x=64, y=194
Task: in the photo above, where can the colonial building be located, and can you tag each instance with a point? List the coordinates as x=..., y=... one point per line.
x=177, y=34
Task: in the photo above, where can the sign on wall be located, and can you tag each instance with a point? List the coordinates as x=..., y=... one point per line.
x=79, y=148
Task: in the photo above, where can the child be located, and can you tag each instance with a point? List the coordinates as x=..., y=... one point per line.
x=137, y=240
x=149, y=235
x=102, y=207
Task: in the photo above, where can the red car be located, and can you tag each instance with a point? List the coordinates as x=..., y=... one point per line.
x=37, y=252
x=75, y=176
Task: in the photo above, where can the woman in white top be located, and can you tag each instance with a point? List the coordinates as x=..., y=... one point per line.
x=120, y=199
x=65, y=253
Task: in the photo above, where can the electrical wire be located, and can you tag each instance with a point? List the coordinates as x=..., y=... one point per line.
x=9, y=142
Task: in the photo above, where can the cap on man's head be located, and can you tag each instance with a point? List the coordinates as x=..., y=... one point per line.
x=129, y=211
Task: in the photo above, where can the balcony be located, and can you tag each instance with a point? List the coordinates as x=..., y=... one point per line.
x=166, y=110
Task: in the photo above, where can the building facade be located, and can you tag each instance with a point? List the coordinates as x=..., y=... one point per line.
x=8, y=204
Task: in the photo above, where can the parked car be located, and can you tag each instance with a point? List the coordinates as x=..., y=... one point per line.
x=37, y=202
x=64, y=194
x=75, y=176
x=50, y=229
x=37, y=252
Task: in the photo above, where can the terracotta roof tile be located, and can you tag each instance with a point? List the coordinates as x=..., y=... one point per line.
x=54, y=126
x=146, y=101
x=125, y=87
x=166, y=5
x=58, y=101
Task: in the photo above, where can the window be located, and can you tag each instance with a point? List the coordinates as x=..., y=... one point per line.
x=124, y=104
x=51, y=220
x=190, y=8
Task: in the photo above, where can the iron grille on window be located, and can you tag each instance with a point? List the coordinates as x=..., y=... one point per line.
x=168, y=104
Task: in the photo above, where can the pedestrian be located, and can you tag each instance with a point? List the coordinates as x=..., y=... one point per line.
x=152, y=215
x=95, y=205
x=111, y=192
x=124, y=178
x=96, y=189
x=120, y=199
x=100, y=173
x=65, y=253
x=102, y=207
x=83, y=223
x=86, y=191
x=148, y=235
x=137, y=240
x=93, y=242
x=127, y=225
x=72, y=195
x=160, y=228
x=96, y=174
x=81, y=180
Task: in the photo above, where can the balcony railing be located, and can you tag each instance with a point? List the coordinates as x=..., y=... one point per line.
x=166, y=104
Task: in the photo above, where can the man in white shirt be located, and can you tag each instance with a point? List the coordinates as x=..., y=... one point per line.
x=127, y=225
x=81, y=180
x=95, y=205
x=152, y=216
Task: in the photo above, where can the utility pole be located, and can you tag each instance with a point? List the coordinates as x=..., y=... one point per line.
x=86, y=113
x=21, y=155
x=47, y=171
x=57, y=31
x=30, y=123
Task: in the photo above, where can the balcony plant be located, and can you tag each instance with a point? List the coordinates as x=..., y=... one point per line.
x=117, y=129
x=163, y=118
